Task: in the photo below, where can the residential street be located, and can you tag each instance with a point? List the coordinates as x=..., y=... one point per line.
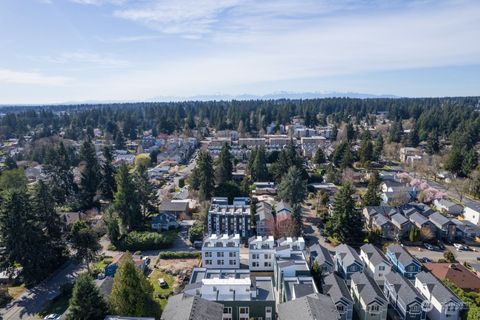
x=27, y=305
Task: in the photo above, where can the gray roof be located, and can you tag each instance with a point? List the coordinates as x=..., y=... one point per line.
x=437, y=289
x=374, y=254
x=367, y=289
x=336, y=288
x=347, y=254
x=417, y=219
x=398, y=220
x=321, y=254
x=447, y=203
x=403, y=288
x=439, y=220
x=264, y=211
x=383, y=210
x=184, y=307
x=174, y=206
x=380, y=220
x=311, y=307
x=282, y=205
x=402, y=255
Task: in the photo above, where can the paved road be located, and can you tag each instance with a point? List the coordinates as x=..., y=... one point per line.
x=461, y=256
x=311, y=232
x=31, y=302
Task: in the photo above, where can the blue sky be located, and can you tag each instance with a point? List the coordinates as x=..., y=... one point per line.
x=55, y=51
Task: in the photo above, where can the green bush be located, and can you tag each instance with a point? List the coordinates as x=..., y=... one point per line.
x=144, y=240
x=180, y=255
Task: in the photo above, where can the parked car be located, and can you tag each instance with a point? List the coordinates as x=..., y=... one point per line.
x=441, y=245
x=162, y=283
x=459, y=246
x=428, y=246
x=52, y=316
x=425, y=260
x=146, y=259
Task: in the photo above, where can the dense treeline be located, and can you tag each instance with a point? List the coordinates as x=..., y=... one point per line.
x=443, y=115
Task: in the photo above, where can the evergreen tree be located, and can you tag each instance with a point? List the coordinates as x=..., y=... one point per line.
x=413, y=139
x=43, y=207
x=350, y=132
x=470, y=161
x=260, y=171
x=371, y=197
x=131, y=292
x=205, y=175
x=414, y=234
x=378, y=147
x=85, y=242
x=23, y=239
x=366, y=152
x=293, y=188
x=119, y=140
x=108, y=174
x=345, y=224
x=433, y=145
x=396, y=131
x=145, y=191
x=245, y=186
x=126, y=200
x=90, y=173
x=224, y=167
x=454, y=161
x=87, y=302
x=319, y=157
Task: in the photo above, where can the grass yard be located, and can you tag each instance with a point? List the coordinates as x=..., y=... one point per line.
x=100, y=265
x=158, y=292
x=16, y=291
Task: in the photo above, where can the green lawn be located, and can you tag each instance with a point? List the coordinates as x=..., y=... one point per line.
x=157, y=290
x=16, y=291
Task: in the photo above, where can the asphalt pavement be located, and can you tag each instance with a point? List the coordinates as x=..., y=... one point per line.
x=33, y=300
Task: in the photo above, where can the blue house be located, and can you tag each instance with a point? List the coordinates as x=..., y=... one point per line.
x=403, y=297
x=403, y=262
x=347, y=262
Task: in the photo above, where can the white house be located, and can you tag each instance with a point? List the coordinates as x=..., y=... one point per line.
x=472, y=213
x=261, y=253
x=376, y=264
x=221, y=252
x=444, y=304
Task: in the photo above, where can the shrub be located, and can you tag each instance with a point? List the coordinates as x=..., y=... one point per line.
x=5, y=297
x=449, y=256
x=180, y=255
x=144, y=240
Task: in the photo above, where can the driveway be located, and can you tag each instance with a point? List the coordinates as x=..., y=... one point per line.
x=311, y=232
x=32, y=301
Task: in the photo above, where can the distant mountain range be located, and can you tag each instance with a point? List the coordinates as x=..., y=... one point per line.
x=273, y=96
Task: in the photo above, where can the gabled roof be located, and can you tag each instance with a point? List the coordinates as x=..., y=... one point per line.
x=347, y=254
x=374, y=255
x=311, y=307
x=282, y=205
x=321, y=254
x=336, y=288
x=398, y=220
x=456, y=273
x=436, y=288
x=383, y=210
x=417, y=219
x=380, y=220
x=402, y=255
x=367, y=289
x=439, y=220
x=184, y=307
x=403, y=288
x=174, y=206
x=264, y=211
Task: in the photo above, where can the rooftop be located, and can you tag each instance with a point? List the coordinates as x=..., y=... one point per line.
x=456, y=273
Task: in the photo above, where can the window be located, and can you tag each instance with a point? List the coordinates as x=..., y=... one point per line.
x=255, y=263
x=220, y=262
x=243, y=313
x=227, y=313
x=232, y=254
x=208, y=254
x=254, y=255
x=232, y=262
x=267, y=256
x=374, y=309
x=415, y=308
x=208, y=262
x=340, y=308
x=381, y=268
x=219, y=254
x=267, y=264
x=268, y=313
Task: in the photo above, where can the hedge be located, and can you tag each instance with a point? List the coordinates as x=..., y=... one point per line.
x=180, y=255
x=140, y=241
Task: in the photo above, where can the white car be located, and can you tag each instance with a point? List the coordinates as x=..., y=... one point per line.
x=52, y=316
x=459, y=246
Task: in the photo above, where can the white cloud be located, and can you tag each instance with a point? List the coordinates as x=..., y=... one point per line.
x=85, y=57
x=99, y=2
x=31, y=78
